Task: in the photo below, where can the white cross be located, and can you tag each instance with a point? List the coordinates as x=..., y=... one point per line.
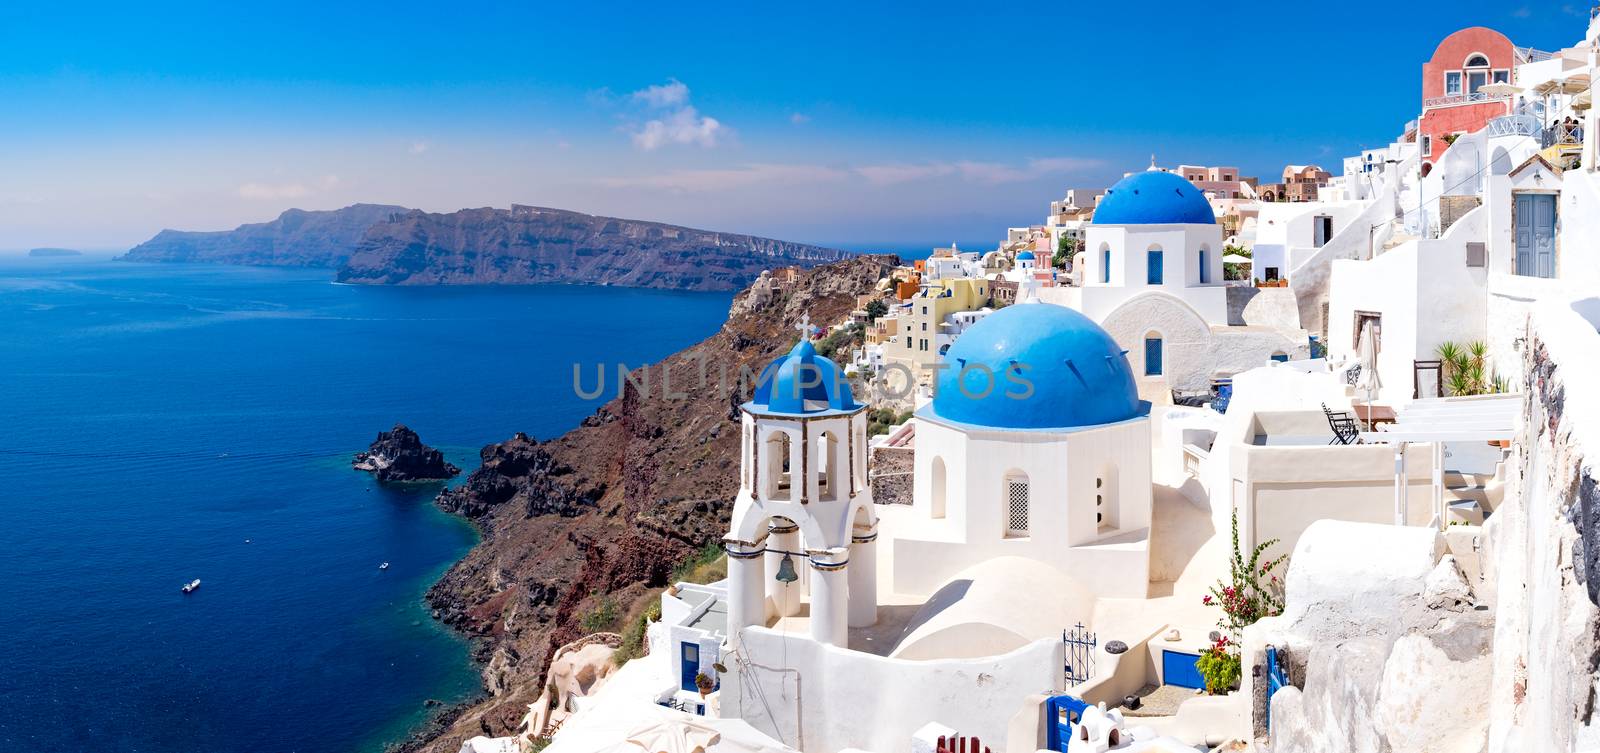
x=804, y=326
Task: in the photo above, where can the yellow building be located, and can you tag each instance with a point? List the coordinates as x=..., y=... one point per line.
x=922, y=330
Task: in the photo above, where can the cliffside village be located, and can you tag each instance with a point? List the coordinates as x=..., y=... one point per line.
x=1198, y=463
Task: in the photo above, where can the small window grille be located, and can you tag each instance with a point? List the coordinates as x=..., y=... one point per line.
x=1017, y=509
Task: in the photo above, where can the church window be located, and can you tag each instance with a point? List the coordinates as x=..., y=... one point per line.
x=1016, y=505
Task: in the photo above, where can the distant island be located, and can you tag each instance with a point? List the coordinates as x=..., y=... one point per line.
x=54, y=252
x=377, y=244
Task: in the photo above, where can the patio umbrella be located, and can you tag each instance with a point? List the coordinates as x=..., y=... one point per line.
x=1500, y=90
x=672, y=736
x=1236, y=259
x=1367, y=354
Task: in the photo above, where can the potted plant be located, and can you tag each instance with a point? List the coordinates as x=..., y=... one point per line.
x=704, y=684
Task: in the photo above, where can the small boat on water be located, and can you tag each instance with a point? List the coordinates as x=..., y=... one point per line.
x=190, y=587
x=384, y=566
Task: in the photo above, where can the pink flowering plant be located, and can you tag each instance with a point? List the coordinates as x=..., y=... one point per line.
x=1253, y=589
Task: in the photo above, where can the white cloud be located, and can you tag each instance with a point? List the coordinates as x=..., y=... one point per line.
x=988, y=173
x=671, y=119
x=670, y=94
x=682, y=126
x=721, y=179
x=417, y=147
x=280, y=191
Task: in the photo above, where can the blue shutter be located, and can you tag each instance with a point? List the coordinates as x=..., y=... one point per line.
x=1205, y=272
x=1153, y=274
x=1152, y=356
x=1105, y=266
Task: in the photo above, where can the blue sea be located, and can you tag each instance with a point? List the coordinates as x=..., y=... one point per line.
x=161, y=423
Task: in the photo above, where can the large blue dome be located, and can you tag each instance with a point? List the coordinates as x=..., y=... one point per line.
x=802, y=383
x=1154, y=198
x=1077, y=372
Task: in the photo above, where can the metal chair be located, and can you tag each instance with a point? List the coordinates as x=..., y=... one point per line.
x=1345, y=429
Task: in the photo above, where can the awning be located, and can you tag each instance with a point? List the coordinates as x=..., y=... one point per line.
x=1484, y=418
x=1236, y=259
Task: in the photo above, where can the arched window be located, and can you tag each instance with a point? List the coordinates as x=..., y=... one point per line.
x=828, y=479
x=1477, y=61
x=938, y=496
x=1105, y=264
x=1152, y=354
x=1154, y=271
x=1205, y=266
x=775, y=468
x=1017, y=498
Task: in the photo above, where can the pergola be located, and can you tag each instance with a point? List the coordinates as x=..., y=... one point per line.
x=1485, y=418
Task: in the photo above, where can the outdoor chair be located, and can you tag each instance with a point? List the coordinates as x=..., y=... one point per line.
x=1345, y=429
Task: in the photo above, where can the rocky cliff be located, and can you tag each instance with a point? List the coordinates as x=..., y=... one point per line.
x=526, y=245
x=298, y=238
x=399, y=456
x=577, y=528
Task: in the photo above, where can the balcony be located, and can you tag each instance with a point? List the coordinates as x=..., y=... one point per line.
x=1515, y=125
x=1463, y=99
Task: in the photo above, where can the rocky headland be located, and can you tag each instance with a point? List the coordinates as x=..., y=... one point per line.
x=376, y=244
x=530, y=245
x=577, y=529
x=399, y=456
x=297, y=238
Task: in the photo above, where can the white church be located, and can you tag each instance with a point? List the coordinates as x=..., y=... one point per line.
x=1151, y=274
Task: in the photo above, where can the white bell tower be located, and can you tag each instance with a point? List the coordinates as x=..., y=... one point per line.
x=804, y=502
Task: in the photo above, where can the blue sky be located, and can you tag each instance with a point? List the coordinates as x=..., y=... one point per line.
x=841, y=123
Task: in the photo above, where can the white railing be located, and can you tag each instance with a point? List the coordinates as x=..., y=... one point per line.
x=1463, y=99
x=1515, y=125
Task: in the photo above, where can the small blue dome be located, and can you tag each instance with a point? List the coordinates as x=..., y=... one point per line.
x=1051, y=366
x=802, y=383
x=1154, y=198
x=1025, y=256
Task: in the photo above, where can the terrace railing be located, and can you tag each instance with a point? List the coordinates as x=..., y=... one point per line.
x=1463, y=99
x=1516, y=125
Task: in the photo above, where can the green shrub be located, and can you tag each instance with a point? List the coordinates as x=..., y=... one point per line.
x=632, y=646
x=1220, y=666
x=707, y=565
x=603, y=616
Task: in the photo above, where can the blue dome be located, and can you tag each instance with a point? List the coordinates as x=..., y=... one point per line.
x=1154, y=198
x=802, y=383
x=1025, y=256
x=1079, y=375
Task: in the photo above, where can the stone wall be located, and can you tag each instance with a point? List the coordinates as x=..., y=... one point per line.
x=891, y=475
x=1543, y=546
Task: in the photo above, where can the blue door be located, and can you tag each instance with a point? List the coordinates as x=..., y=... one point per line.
x=691, y=664
x=1536, y=235
x=1153, y=264
x=1178, y=668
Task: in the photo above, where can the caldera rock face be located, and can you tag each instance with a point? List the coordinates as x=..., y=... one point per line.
x=399, y=456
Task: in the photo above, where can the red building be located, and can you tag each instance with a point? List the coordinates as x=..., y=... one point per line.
x=1463, y=63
